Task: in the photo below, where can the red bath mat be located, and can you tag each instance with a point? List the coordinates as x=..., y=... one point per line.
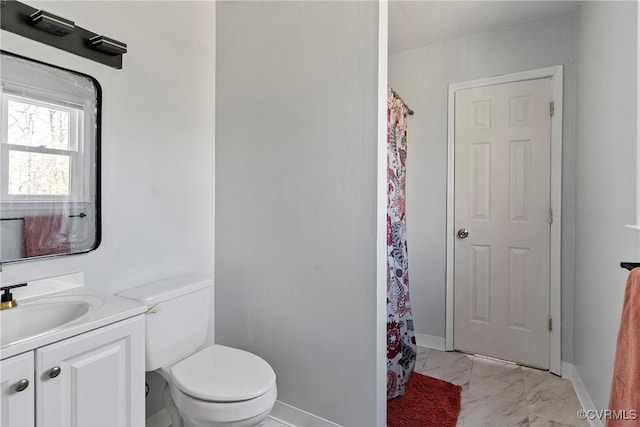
x=427, y=402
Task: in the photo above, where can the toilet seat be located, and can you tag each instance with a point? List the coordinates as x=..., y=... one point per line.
x=222, y=374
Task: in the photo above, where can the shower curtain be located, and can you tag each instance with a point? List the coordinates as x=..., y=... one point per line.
x=401, y=342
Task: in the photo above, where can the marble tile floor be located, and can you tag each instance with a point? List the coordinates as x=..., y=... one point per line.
x=494, y=393
x=497, y=394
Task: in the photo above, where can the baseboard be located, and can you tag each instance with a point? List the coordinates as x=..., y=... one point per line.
x=431, y=341
x=569, y=371
x=294, y=417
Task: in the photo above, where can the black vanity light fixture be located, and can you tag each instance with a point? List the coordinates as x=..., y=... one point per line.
x=51, y=23
x=108, y=46
x=62, y=33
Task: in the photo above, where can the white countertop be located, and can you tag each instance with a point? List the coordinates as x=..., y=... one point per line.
x=105, y=309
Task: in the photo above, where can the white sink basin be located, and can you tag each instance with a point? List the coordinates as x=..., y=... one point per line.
x=56, y=309
x=34, y=318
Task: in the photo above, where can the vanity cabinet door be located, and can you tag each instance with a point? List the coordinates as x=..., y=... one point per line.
x=93, y=379
x=17, y=391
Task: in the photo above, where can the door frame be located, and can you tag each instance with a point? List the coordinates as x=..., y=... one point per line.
x=556, y=75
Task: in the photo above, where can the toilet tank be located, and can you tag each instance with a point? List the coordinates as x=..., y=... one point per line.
x=177, y=318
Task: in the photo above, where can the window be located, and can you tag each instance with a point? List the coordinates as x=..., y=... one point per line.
x=41, y=142
x=49, y=158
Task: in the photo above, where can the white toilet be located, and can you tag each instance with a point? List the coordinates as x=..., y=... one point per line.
x=206, y=386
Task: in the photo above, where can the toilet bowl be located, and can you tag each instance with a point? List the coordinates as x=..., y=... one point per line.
x=199, y=413
x=221, y=386
x=207, y=385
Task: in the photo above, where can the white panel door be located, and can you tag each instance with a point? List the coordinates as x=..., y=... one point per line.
x=17, y=396
x=100, y=381
x=502, y=200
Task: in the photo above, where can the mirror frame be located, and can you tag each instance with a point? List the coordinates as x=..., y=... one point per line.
x=98, y=161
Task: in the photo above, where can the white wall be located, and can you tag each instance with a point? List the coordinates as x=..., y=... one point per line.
x=606, y=184
x=157, y=141
x=296, y=145
x=421, y=76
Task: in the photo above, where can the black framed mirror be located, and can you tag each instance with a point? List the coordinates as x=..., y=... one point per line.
x=49, y=160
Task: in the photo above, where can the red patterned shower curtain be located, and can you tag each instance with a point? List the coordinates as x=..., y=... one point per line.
x=401, y=342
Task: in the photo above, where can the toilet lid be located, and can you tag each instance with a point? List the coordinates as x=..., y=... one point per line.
x=223, y=374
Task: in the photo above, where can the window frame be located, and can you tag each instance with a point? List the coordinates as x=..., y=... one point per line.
x=79, y=122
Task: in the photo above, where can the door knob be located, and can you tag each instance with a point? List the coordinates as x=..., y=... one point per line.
x=54, y=372
x=463, y=233
x=22, y=385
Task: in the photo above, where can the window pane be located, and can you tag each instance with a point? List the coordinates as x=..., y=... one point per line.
x=38, y=174
x=38, y=126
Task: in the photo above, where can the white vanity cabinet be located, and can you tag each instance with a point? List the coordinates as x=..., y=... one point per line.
x=92, y=379
x=17, y=396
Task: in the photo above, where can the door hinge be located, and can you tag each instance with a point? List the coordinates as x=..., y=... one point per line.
x=550, y=216
x=552, y=108
x=550, y=323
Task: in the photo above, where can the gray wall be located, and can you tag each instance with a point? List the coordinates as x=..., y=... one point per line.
x=296, y=144
x=422, y=77
x=157, y=141
x=606, y=184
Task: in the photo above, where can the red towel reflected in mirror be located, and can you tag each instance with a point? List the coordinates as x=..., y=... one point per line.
x=45, y=235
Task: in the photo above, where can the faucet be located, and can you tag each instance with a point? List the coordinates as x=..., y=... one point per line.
x=7, y=296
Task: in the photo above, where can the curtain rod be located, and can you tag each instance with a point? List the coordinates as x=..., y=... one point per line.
x=409, y=110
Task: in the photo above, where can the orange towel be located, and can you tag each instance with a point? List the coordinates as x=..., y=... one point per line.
x=45, y=235
x=625, y=387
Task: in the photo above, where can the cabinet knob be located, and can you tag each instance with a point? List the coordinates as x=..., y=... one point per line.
x=54, y=372
x=22, y=385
